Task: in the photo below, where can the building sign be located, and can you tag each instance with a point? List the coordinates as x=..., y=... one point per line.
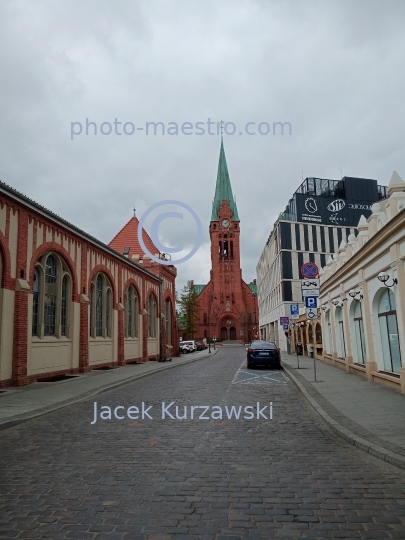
x=331, y=211
x=284, y=320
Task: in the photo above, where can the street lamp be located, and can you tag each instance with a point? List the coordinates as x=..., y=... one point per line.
x=384, y=277
x=353, y=294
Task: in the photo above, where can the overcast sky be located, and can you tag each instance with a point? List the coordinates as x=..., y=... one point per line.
x=334, y=70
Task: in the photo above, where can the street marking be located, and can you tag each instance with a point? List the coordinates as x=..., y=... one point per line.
x=259, y=378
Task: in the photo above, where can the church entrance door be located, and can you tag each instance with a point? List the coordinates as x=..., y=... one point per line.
x=224, y=333
x=233, y=332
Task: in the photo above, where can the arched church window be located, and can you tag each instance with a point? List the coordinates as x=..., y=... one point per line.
x=35, y=304
x=50, y=300
x=100, y=306
x=131, y=313
x=51, y=275
x=151, y=316
x=387, y=317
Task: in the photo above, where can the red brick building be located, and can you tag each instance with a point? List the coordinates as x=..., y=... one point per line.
x=69, y=303
x=229, y=309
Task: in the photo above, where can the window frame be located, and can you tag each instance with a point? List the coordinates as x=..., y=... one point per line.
x=40, y=329
x=152, y=315
x=101, y=304
x=386, y=316
x=131, y=313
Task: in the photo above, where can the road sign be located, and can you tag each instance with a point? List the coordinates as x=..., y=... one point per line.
x=294, y=309
x=284, y=320
x=312, y=313
x=310, y=292
x=311, y=302
x=308, y=284
x=309, y=270
x=295, y=316
x=286, y=326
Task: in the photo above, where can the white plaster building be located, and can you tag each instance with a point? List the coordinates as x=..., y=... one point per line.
x=363, y=295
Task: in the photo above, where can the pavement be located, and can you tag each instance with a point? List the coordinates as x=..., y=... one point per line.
x=195, y=475
x=19, y=404
x=367, y=415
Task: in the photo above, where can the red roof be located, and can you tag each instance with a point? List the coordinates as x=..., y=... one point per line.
x=128, y=237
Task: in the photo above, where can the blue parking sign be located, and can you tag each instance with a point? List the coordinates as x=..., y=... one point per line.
x=294, y=310
x=311, y=301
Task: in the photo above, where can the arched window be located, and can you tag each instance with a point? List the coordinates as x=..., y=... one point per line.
x=51, y=275
x=340, y=333
x=51, y=297
x=168, y=320
x=328, y=333
x=360, y=348
x=63, y=315
x=310, y=333
x=35, y=304
x=387, y=317
x=131, y=313
x=151, y=316
x=318, y=334
x=100, y=307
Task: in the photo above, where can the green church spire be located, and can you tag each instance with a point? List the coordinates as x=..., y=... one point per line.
x=223, y=190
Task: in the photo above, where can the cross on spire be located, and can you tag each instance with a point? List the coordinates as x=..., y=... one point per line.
x=134, y=211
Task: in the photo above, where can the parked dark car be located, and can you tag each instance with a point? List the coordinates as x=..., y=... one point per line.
x=264, y=353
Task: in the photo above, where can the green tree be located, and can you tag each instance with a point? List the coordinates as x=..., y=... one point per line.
x=189, y=310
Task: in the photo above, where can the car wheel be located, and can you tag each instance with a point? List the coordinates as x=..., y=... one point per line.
x=249, y=365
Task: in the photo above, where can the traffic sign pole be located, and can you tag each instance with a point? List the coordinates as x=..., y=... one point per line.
x=313, y=352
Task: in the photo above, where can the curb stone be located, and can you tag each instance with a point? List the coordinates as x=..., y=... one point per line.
x=361, y=443
x=18, y=419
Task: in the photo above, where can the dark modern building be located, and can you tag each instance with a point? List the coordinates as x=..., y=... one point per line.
x=320, y=216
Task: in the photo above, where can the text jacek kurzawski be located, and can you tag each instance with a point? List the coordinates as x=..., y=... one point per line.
x=184, y=412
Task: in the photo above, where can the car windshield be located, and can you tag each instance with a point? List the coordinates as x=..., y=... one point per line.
x=263, y=345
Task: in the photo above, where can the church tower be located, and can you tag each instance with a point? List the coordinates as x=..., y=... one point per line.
x=224, y=234
x=229, y=309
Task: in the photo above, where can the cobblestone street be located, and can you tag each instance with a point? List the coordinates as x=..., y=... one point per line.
x=288, y=477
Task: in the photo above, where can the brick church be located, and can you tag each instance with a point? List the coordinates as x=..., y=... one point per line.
x=229, y=308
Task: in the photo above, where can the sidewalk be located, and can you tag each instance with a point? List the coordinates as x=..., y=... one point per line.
x=368, y=415
x=18, y=404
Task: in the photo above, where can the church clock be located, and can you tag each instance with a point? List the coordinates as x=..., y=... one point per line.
x=225, y=223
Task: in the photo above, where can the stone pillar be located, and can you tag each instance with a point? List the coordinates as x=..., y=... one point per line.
x=346, y=326
x=333, y=328
x=121, y=350
x=371, y=364
x=84, y=315
x=20, y=338
x=20, y=343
